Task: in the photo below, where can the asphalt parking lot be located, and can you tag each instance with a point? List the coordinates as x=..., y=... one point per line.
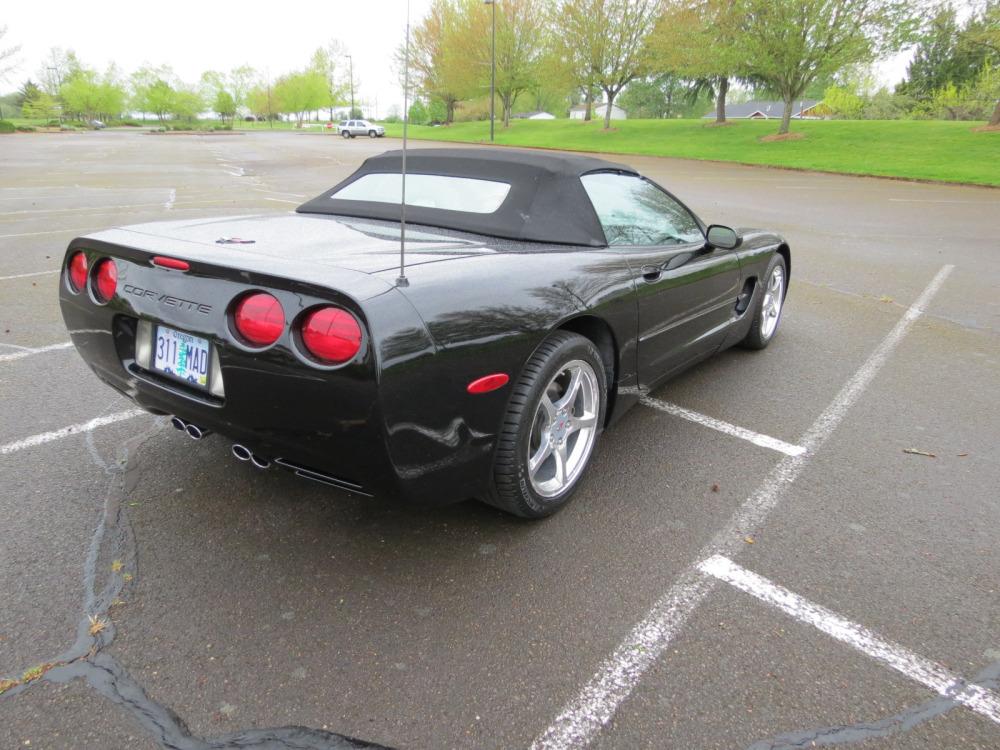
x=762, y=556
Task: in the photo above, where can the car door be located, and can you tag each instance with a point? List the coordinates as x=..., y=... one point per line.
x=686, y=290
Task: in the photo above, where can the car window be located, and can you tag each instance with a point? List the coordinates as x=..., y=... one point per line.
x=633, y=211
x=428, y=190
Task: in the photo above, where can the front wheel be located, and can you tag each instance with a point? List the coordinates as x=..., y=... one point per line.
x=372, y=134
x=553, y=421
x=767, y=312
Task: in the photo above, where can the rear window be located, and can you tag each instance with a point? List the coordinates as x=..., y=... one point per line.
x=428, y=190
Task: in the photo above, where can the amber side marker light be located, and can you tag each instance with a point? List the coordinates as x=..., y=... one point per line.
x=488, y=383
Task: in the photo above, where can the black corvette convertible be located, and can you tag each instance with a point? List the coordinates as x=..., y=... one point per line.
x=542, y=295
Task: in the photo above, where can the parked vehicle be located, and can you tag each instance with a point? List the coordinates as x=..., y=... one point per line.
x=543, y=295
x=354, y=128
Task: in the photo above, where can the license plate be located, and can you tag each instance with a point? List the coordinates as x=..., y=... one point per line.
x=181, y=356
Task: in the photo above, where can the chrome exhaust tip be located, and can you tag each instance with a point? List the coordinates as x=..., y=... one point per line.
x=178, y=424
x=260, y=463
x=195, y=432
x=242, y=452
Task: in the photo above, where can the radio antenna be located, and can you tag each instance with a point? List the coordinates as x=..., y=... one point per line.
x=402, y=280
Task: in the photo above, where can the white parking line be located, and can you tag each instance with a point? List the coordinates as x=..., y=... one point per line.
x=50, y=231
x=618, y=674
x=926, y=672
x=74, y=429
x=764, y=441
x=282, y=200
x=28, y=275
x=31, y=352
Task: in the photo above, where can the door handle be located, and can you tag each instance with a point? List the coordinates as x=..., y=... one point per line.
x=651, y=273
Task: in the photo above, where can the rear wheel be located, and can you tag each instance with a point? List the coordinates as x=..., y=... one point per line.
x=345, y=133
x=767, y=312
x=553, y=421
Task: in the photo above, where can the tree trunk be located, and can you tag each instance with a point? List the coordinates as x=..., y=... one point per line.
x=507, y=102
x=995, y=119
x=786, y=117
x=449, y=116
x=589, y=101
x=720, y=100
x=607, y=113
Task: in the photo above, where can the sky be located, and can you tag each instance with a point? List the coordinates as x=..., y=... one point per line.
x=193, y=37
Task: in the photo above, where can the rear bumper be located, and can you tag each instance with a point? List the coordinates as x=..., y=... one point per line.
x=329, y=426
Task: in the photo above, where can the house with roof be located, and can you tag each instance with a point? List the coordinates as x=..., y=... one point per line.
x=579, y=111
x=805, y=109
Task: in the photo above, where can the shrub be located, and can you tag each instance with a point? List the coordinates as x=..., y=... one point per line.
x=25, y=129
x=6, y=127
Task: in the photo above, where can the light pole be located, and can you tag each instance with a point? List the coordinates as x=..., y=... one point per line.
x=493, y=66
x=350, y=62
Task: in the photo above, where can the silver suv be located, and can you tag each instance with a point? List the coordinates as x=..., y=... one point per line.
x=353, y=128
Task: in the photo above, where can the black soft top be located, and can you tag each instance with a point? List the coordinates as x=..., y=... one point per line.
x=546, y=202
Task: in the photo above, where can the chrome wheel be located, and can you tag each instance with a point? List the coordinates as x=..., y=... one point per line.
x=774, y=296
x=564, y=428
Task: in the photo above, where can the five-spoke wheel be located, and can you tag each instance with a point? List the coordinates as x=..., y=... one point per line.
x=554, y=417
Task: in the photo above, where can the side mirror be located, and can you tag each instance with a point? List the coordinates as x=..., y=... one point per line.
x=722, y=237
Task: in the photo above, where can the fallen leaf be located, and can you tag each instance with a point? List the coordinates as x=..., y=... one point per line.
x=715, y=488
x=885, y=298
x=916, y=452
x=748, y=539
x=117, y=565
x=962, y=455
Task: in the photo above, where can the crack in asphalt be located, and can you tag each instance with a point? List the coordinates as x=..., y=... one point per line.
x=904, y=721
x=87, y=660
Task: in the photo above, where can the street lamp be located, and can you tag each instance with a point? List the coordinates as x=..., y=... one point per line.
x=493, y=66
x=350, y=61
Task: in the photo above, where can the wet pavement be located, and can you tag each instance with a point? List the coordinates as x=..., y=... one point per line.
x=154, y=592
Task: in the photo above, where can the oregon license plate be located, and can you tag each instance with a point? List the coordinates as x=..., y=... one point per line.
x=181, y=356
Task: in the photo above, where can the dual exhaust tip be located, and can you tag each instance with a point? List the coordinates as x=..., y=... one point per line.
x=245, y=454
x=241, y=452
x=193, y=431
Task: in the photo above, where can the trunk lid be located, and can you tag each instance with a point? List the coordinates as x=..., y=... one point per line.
x=363, y=245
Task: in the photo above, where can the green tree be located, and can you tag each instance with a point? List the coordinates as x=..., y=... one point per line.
x=843, y=102
x=941, y=57
x=186, y=103
x=655, y=97
x=153, y=91
x=436, y=62
x=520, y=43
x=418, y=113
x=700, y=40
x=790, y=43
x=91, y=96
x=982, y=33
x=327, y=62
x=299, y=93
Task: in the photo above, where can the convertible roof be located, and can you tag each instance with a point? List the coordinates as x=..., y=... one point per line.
x=546, y=202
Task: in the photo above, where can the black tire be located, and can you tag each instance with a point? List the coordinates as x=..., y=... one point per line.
x=756, y=337
x=372, y=134
x=345, y=133
x=512, y=489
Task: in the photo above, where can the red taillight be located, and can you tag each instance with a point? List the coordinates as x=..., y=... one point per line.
x=78, y=272
x=332, y=335
x=105, y=280
x=259, y=319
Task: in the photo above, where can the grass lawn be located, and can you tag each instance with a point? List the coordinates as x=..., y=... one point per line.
x=914, y=149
